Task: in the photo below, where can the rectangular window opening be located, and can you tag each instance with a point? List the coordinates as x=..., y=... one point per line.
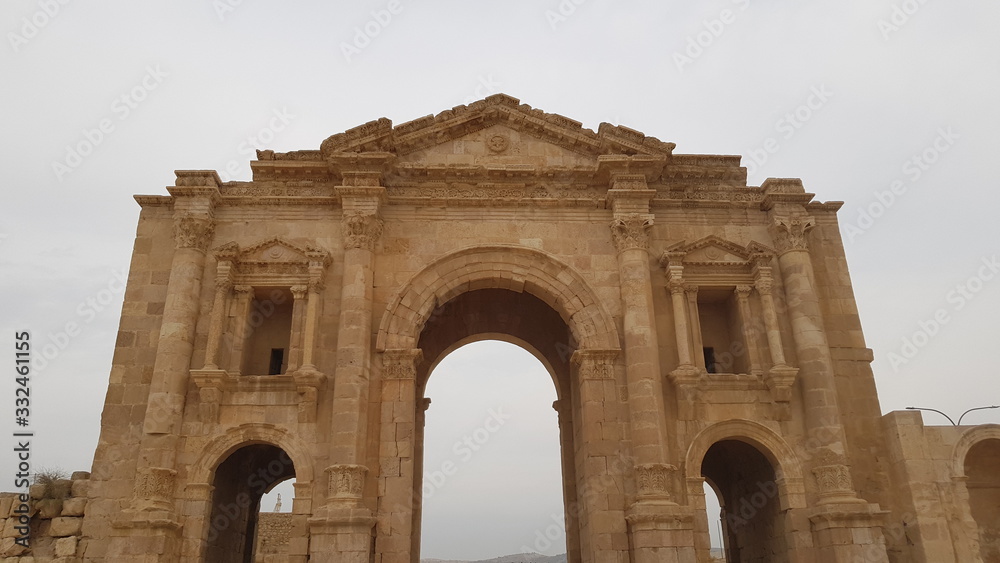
x=277, y=360
x=710, y=360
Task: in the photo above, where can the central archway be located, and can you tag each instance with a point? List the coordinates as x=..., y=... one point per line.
x=525, y=297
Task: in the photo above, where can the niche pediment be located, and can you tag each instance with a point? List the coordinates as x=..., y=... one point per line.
x=271, y=261
x=714, y=256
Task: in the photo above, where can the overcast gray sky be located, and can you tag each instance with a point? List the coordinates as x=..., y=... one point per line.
x=887, y=105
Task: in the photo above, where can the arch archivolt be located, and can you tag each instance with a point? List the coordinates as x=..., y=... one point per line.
x=221, y=447
x=515, y=268
x=787, y=469
x=970, y=438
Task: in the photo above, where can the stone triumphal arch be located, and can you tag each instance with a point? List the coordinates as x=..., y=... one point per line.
x=697, y=329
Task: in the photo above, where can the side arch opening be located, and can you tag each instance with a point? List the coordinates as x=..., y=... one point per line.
x=239, y=483
x=746, y=482
x=982, y=469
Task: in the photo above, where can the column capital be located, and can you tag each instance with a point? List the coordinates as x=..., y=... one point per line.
x=299, y=291
x=401, y=363
x=654, y=480
x=790, y=231
x=743, y=291
x=346, y=482
x=362, y=230
x=193, y=231
x=595, y=363
x=764, y=285
x=631, y=231
x=834, y=483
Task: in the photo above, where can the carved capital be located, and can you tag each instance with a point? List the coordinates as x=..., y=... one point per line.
x=691, y=290
x=677, y=286
x=743, y=292
x=243, y=290
x=401, y=364
x=154, y=487
x=631, y=231
x=834, y=481
x=764, y=285
x=346, y=481
x=790, y=232
x=362, y=230
x=653, y=479
x=299, y=291
x=595, y=364
x=193, y=232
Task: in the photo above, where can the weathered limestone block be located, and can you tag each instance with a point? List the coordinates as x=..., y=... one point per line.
x=66, y=547
x=74, y=506
x=65, y=526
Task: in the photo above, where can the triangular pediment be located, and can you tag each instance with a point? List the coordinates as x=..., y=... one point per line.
x=716, y=250
x=273, y=249
x=476, y=127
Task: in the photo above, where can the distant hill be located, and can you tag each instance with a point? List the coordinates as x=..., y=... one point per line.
x=519, y=558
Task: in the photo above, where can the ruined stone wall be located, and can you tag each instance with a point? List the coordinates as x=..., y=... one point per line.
x=55, y=510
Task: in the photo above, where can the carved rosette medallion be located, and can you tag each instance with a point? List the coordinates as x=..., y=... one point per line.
x=834, y=480
x=653, y=479
x=401, y=364
x=155, y=485
x=631, y=231
x=193, y=232
x=497, y=143
x=790, y=232
x=362, y=230
x=346, y=481
x=595, y=364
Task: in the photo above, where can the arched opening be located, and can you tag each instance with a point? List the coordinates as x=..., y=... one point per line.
x=982, y=467
x=239, y=484
x=752, y=527
x=491, y=456
x=532, y=324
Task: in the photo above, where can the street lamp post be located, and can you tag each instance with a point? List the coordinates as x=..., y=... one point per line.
x=953, y=423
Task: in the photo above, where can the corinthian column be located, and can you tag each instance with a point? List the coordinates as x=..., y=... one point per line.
x=343, y=526
x=829, y=458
